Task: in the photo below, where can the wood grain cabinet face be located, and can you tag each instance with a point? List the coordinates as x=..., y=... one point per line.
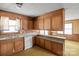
x=42, y=42
x=57, y=48
x=6, y=47
x=41, y=21
x=19, y=44
x=37, y=41
x=47, y=21
x=30, y=23
x=60, y=49
x=36, y=24
x=58, y=20
x=48, y=45
x=24, y=23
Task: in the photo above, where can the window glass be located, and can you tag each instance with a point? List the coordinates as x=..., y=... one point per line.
x=68, y=28
x=8, y=25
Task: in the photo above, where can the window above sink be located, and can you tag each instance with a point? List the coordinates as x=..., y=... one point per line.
x=9, y=25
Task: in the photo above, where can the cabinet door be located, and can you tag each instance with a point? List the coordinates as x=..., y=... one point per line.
x=36, y=24
x=47, y=21
x=57, y=20
x=30, y=23
x=37, y=41
x=57, y=48
x=42, y=42
x=40, y=20
x=19, y=44
x=33, y=41
x=60, y=49
x=48, y=45
x=54, y=47
x=7, y=47
x=24, y=23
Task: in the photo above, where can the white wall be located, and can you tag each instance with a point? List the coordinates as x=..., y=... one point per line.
x=72, y=13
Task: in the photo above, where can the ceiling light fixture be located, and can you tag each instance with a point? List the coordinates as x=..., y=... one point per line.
x=19, y=5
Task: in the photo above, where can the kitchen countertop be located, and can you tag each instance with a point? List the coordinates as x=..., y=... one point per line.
x=52, y=38
x=74, y=37
x=13, y=36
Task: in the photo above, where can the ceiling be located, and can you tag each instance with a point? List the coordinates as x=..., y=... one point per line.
x=36, y=9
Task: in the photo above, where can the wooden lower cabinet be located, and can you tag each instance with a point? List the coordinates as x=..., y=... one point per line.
x=19, y=44
x=6, y=47
x=33, y=41
x=42, y=43
x=57, y=48
x=54, y=47
x=37, y=41
x=48, y=45
x=10, y=46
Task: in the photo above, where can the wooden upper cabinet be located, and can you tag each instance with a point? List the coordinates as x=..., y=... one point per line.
x=58, y=20
x=36, y=24
x=41, y=21
x=27, y=23
x=47, y=21
x=30, y=23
